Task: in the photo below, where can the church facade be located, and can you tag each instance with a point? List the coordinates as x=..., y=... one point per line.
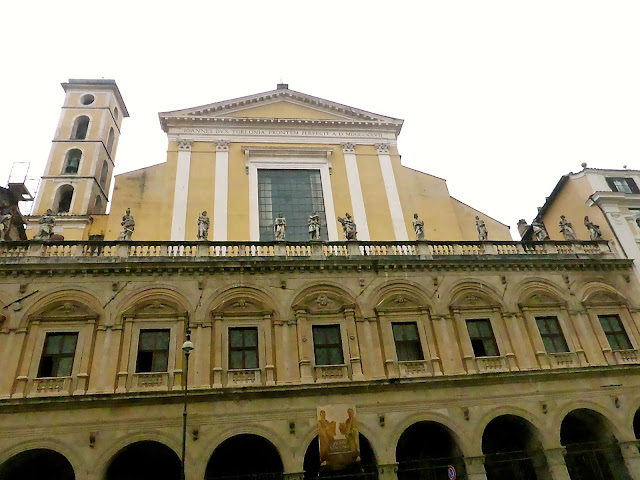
x=283, y=237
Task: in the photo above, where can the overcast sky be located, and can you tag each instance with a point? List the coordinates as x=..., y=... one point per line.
x=500, y=98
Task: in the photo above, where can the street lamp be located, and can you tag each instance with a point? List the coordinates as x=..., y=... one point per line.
x=187, y=347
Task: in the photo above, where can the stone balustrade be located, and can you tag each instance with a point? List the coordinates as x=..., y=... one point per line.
x=312, y=250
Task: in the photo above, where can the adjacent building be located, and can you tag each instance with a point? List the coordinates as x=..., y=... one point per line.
x=496, y=358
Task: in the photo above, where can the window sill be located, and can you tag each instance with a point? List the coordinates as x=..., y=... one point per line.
x=491, y=364
x=626, y=357
x=50, y=386
x=150, y=381
x=244, y=377
x=331, y=373
x=414, y=368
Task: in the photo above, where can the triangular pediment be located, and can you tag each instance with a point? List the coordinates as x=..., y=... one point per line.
x=280, y=104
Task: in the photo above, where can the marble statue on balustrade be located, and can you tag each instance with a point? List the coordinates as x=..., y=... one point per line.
x=540, y=231
x=279, y=228
x=348, y=227
x=314, y=226
x=5, y=225
x=203, y=226
x=483, y=234
x=566, y=229
x=128, y=226
x=418, y=226
x=594, y=230
x=47, y=222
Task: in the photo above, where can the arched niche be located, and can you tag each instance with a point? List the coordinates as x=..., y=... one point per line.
x=592, y=448
x=62, y=333
x=244, y=343
x=144, y=459
x=229, y=459
x=513, y=449
x=425, y=450
x=36, y=464
x=327, y=335
x=80, y=128
x=63, y=199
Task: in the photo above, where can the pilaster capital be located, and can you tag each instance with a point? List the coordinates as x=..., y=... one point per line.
x=555, y=456
x=348, y=147
x=222, y=146
x=475, y=465
x=382, y=148
x=184, y=145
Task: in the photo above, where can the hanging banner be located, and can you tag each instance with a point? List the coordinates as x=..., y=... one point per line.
x=338, y=436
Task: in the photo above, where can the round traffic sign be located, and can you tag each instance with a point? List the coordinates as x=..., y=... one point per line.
x=451, y=472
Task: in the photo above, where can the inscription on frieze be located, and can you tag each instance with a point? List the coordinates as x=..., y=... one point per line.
x=267, y=131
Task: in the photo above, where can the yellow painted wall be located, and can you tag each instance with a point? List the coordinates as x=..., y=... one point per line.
x=376, y=204
x=466, y=216
x=98, y=226
x=283, y=109
x=340, y=188
x=149, y=193
x=238, y=199
x=201, y=187
x=571, y=202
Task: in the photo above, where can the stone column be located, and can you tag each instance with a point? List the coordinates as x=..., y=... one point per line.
x=11, y=342
x=592, y=350
x=181, y=191
x=304, y=347
x=600, y=335
x=631, y=458
x=123, y=369
x=269, y=367
x=467, y=350
x=475, y=468
x=556, y=463
x=355, y=189
x=221, y=191
x=388, y=471
x=388, y=345
x=391, y=189
x=354, y=348
x=23, y=373
x=432, y=345
x=82, y=380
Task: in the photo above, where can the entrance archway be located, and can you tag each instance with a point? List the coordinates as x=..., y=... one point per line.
x=366, y=469
x=592, y=450
x=146, y=459
x=424, y=452
x=245, y=456
x=636, y=424
x=37, y=464
x=512, y=450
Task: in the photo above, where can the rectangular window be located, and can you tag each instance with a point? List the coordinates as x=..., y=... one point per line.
x=551, y=334
x=243, y=348
x=482, y=339
x=294, y=193
x=407, y=341
x=613, y=329
x=153, y=351
x=57, y=355
x=327, y=345
x=623, y=185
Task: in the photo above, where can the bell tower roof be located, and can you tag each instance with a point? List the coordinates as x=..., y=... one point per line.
x=97, y=84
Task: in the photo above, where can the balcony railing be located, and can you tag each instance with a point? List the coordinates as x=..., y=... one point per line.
x=312, y=250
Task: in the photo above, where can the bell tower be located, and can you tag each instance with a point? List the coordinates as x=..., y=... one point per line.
x=77, y=178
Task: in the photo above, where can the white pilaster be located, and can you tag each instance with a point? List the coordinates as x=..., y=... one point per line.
x=357, y=202
x=181, y=192
x=221, y=192
x=391, y=188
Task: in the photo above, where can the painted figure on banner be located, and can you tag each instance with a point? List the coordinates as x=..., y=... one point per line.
x=348, y=227
x=314, y=226
x=339, y=447
x=279, y=227
x=203, y=226
x=418, y=226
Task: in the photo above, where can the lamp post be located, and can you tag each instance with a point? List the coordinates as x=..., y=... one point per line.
x=187, y=347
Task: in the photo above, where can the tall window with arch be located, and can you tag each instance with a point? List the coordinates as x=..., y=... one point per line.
x=103, y=174
x=80, y=128
x=110, y=139
x=63, y=199
x=72, y=161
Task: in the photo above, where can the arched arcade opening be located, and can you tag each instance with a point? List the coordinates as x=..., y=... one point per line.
x=37, y=464
x=245, y=456
x=145, y=459
x=513, y=450
x=592, y=449
x=424, y=452
x=366, y=469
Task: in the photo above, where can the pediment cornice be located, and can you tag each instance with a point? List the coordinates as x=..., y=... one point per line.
x=341, y=116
